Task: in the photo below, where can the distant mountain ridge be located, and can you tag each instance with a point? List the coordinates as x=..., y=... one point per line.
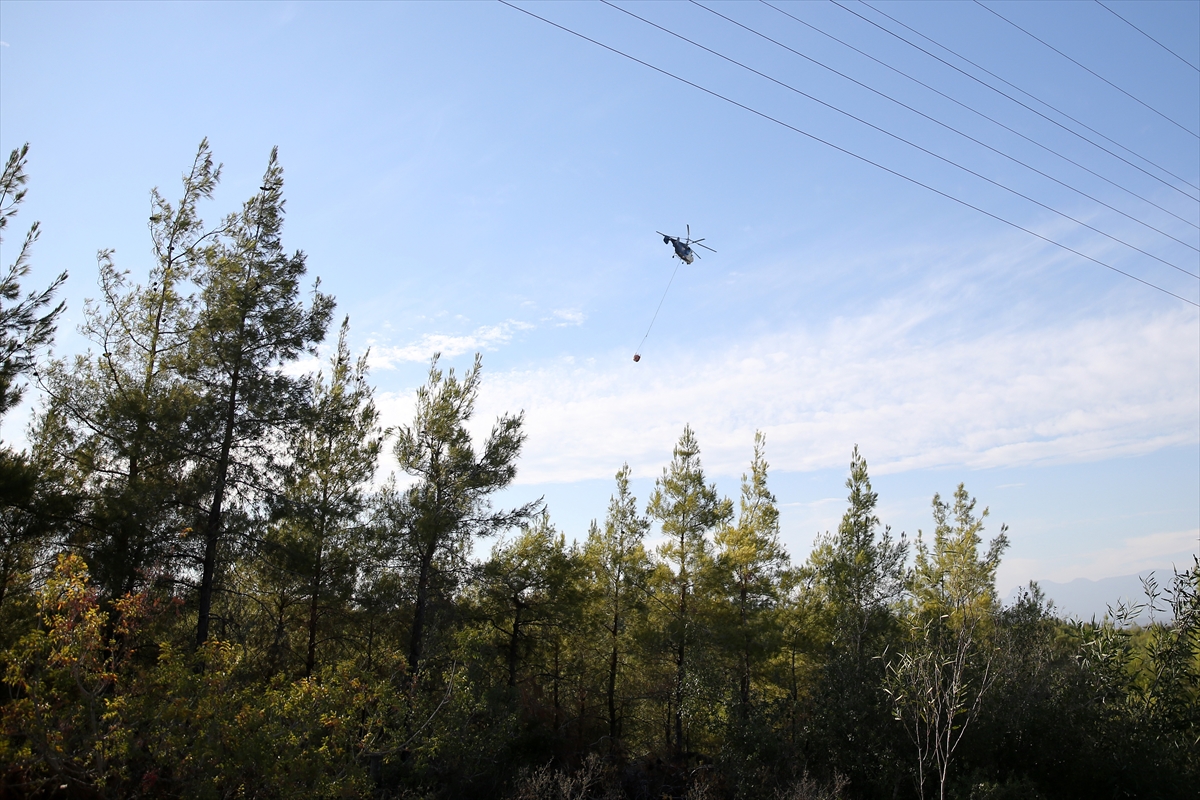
x=1084, y=599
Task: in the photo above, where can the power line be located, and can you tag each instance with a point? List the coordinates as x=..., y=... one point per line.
x=899, y=138
x=994, y=121
x=1018, y=102
x=1148, y=36
x=1087, y=69
x=850, y=153
x=949, y=128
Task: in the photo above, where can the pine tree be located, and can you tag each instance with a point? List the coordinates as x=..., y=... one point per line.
x=857, y=579
x=117, y=416
x=860, y=569
x=619, y=570
x=688, y=510
x=750, y=566
x=433, y=522
x=28, y=496
x=319, y=537
x=529, y=592
x=251, y=323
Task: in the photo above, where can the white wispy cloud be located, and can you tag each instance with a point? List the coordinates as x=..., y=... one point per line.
x=487, y=337
x=569, y=316
x=1082, y=391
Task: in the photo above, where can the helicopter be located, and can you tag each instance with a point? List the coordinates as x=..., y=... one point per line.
x=683, y=246
x=683, y=249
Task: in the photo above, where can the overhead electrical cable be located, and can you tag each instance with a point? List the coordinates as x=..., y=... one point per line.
x=1088, y=70
x=1148, y=36
x=900, y=138
x=1018, y=102
x=840, y=149
x=976, y=111
x=947, y=126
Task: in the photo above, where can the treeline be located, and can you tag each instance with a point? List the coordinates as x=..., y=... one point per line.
x=204, y=592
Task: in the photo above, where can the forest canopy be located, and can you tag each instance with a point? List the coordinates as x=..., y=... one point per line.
x=207, y=589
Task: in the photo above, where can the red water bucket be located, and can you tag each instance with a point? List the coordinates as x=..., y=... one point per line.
x=637, y=357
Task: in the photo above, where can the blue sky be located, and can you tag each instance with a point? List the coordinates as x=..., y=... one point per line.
x=465, y=177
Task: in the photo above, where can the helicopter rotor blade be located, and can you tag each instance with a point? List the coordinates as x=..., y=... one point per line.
x=706, y=247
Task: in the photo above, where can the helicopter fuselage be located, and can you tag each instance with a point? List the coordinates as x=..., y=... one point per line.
x=683, y=246
x=683, y=251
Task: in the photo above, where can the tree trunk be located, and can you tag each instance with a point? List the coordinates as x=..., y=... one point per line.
x=311, y=661
x=415, y=641
x=745, y=676
x=680, y=666
x=513, y=641
x=614, y=734
x=557, y=678
x=4, y=570
x=212, y=530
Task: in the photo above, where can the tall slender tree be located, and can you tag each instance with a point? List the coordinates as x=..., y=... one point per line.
x=449, y=502
x=750, y=567
x=860, y=569
x=619, y=569
x=251, y=324
x=857, y=576
x=689, y=510
x=941, y=678
x=118, y=414
x=529, y=591
x=319, y=533
x=27, y=327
